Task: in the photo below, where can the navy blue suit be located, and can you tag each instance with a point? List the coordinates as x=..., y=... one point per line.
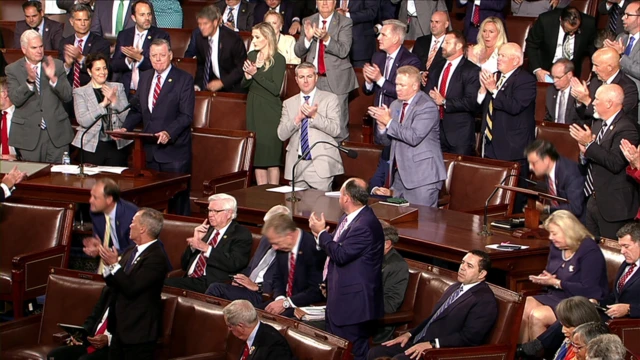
x=379, y=179
x=457, y=128
x=388, y=10
x=125, y=211
x=363, y=13
x=388, y=89
x=487, y=8
x=569, y=183
x=421, y=49
x=126, y=37
x=354, y=279
x=287, y=10
x=94, y=44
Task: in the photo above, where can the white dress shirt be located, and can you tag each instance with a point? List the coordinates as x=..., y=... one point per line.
x=565, y=93
x=636, y=36
x=114, y=232
x=76, y=44
x=382, y=79
x=214, y=43
x=495, y=93
x=454, y=64
x=293, y=251
x=252, y=336
x=560, y=44
x=208, y=252
x=350, y=218
x=440, y=40
x=307, y=43
x=411, y=8
x=609, y=80
x=114, y=14
x=235, y=15
x=163, y=78
x=138, y=41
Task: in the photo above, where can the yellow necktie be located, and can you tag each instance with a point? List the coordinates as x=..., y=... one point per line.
x=105, y=242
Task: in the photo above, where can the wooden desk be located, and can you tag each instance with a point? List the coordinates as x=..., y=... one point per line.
x=443, y=234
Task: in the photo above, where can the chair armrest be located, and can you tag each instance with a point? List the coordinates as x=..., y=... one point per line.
x=20, y=260
x=176, y=273
x=474, y=352
x=226, y=183
x=444, y=200
x=397, y=318
x=209, y=356
x=60, y=338
x=21, y=332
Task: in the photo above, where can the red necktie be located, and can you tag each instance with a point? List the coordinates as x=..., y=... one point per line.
x=404, y=107
x=321, y=68
x=625, y=277
x=201, y=262
x=552, y=190
x=292, y=270
x=100, y=331
x=5, y=134
x=475, y=18
x=245, y=352
x=76, y=68
x=443, y=87
x=156, y=91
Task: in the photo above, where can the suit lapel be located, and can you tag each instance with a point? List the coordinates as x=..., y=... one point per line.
x=453, y=77
x=86, y=49
x=167, y=87
x=630, y=280
x=345, y=231
x=608, y=133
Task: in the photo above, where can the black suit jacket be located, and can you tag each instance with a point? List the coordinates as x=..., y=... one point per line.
x=93, y=320
x=229, y=257
x=267, y=278
x=466, y=322
x=287, y=10
x=125, y=211
x=269, y=344
x=245, y=17
x=543, y=38
x=363, y=13
x=388, y=89
x=458, y=125
x=602, y=9
x=307, y=274
x=551, y=102
x=95, y=44
x=421, y=49
x=630, y=104
x=617, y=193
x=51, y=33
x=569, y=184
x=126, y=37
x=135, y=314
x=630, y=293
x=231, y=56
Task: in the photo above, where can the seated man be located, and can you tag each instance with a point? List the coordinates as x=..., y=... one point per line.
x=257, y=278
x=217, y=250
x=469, y=325
x=380, y=181
x=9, y=180
x=298, y=266
x=50, y=30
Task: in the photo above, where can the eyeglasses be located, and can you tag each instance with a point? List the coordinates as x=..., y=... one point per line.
x=577, y=347
x=215, y=211
x=555, y=78
x=629, y=15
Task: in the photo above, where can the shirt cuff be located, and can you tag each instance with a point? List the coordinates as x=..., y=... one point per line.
x=368, y=85
x=293, y=306
x=208, y=251
x=326, y=43
x=374, y=189
x=5, y=188
x=381, y=81
x=480, y=98
x=108, y=337
x=463, y=2
x=348, y=15
x=477, y=2
x=53, y=84
x=437, y=343
x=116, y=267
x=295, y=19
x=307, y=43
x=388, y=124
x=30, y=86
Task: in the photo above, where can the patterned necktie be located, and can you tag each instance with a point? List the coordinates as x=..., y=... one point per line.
x=562, y=107
x=625, y=277
x=35, y=68
x=336, y=236
x=475, y=17
x=207, y=65
x=230, y=18
x=627, y=50
x=588, y=184
x=552, y=190
x=304, y=134
x=443, y=87
x=156, y=91
x=292, y=271
x=76, y=67
x=201, y=261
x=120, y=18
x=488, y=131
x=321, y=67
x=567, y=49
x=614, y=11
x=442, y=308
x=106, y=240
x=245, y=352
x=432, y=53
x=404, y=109
x=5, y=134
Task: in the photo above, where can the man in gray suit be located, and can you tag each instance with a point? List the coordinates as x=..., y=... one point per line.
x=560, y=105
x=40, y=128
x=417, y=15
x=411, y=127
x=50, y=30
x=326, y=43
x=307, y=118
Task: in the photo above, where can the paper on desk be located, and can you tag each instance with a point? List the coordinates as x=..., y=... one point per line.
x=110, y=169
x=89, y=170
x=332, y=194
x=285, y=189
x=495, y=247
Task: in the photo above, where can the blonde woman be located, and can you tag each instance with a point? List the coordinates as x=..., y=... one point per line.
x=490, y=37
x=286, y=43
x=576, y=267
x=263, y=75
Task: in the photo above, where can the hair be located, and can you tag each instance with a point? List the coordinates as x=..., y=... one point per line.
x=390, y=232
x=27, y=36
x=94, y=57
x=306, y=65
x=574, y=231
x=273, y=13
x=397, y=27
x=152, y=220
x=111, y=188
x=606, y=347
x=459, y=37
x=136, y=2
x=637, y=3
x=209, y=12
x=575, y=311
x=542, y=148
x=80, y=8
x=601, y=36
x=485, y=261
x=160, y=42
x=281, y=224
x=355, y=191
x=571, y=15
x=566, y=64
x=278, y=209
x=240, y=312
x=502, y=35
x=410, y=71
x=230, y=202
x=632, y=229
x=267, y=31
x=32, y=3
x=3, y=83
x=613, y=93
x=589, y=331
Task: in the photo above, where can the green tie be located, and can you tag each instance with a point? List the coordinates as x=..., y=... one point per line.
x=120, y=17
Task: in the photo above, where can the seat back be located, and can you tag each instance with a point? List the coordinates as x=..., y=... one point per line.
x=291, y=86
x=186, y=64
x=309, y=348
x=541, y=99
x=12, y=10
x=201, y=109
x=558, y=135
x=7, y=29
x=432, y=283
x=510, y=309
x=13, y=55
x=517, y=28
x=175, y=230
x=180, y=39
x=228, y=111
x=409, y=301
x=359, y=102
x=189, y=10
x=612, y=257
x=364, y=166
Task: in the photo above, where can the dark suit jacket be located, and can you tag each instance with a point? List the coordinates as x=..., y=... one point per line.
x=173, y=113
x=95, y=44
x=354, y=278
x=244, y=21
x=388, y=89
x=93, y=320
x=287, y=10
x=388, y=10
x=514, y=110
x=305, y=8
x=51, y=33
x=267, y=278
x=602, y=9
x=630, y=293
x=363, y=13
x=543, y=38
x=569, y=183
x=126, y=37
x=395, y=278
x=382, y=171
x=229, y=257
x=551, y=102
x=102, y=20
x=458, y=125
x=421, y=49
x=466, y=322
x=231, y=56
x=307, y=275
x=630, y=104
x=135, y=314
x=487, y=9
x=125, y=211
x=269, y=344
x=617, y=193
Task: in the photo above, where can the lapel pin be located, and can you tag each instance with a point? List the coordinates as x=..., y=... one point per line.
x=170, y=80
x=243, y=10
x=570, y=268
x=149, y=37
x=252, y=350
x=46, y=29
x=299, y=252
x=612, y=126
x=224, y=237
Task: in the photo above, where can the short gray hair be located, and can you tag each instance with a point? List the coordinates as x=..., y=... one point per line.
x=209, y=12
x=229, y=201
x=632, y=229
x=306, y=65
x=240, y=312
x=398, y=27
x=160, y=42
x=152, y=220
x=278, y=209
x=606, y=347
x=27, y=36
x=591, y=330
x=79, y=8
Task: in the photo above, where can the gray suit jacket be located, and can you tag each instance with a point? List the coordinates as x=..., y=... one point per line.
x=551, y=101
x=424, y=9
x=31, y=107
x=51, y=34
x=325, y=126
x=102, y=20
x=87, y=108
x=630, y=65
x=415, y=143
x=340, y=74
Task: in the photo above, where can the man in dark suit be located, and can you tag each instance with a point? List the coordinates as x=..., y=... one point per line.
x=560, y=33
x=389, y=9
x=104, y=24
x=354, y=267
x=50, y=30
x=363, y=13
x=476, y=14
x=285, y=8
x=219, y=247
x=428, y=48
x=9, y=180
x=380, y=74
x=220, y=53
x=612, y=196
x=131, y=56
x=559, y=104
x=562, y=178
x=453, y=85
x=257, y=278
x=237, y=15
x=135, y=309
x=380, y=182
x=615, y=9
x=261, y=341
x=463, y=316
x=624, y=300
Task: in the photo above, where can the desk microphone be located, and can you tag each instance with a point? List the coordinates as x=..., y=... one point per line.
x=350, y=153
x=485, y=227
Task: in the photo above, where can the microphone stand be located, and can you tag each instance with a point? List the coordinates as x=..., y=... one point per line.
x=485, y=227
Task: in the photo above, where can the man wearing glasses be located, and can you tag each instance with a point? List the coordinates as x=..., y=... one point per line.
x=560, y=105
x=219, y=248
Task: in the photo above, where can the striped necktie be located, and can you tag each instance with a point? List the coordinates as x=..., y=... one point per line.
x=304, y=134
x=588, y=184
x=456, y=294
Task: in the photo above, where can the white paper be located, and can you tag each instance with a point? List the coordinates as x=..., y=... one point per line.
x=285, y=189
x=89, y=170
x=335, y=194
x=495, y=247
x=109, y=169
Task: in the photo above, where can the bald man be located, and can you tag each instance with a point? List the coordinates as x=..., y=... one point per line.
x=606, y=70
x=612, y=196
x=428, y=48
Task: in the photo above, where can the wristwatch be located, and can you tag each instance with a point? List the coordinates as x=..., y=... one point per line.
x=259, y=291
x=286, y=304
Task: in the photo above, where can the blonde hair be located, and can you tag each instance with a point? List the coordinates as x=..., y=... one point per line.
x=573, y=230
x=267, y=31
x=502, y=35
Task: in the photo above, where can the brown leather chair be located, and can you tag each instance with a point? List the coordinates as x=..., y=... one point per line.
x=558, y=135
x=541, y=99
x=7, y=28
x=180, y=39
x=291, y=86
x=12, y=10
x=408, y=44
x=201, y=110
x=359, y=123
x=12, y=55
x=582, y=5
x=364, y=166
x=228, y=111
x=186, y=64
x=43, y=241
x=246, y=38
x=517, y=28
x=189, y=10
x=405, y=313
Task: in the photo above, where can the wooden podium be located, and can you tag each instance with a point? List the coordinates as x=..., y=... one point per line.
x=139, y=159
x=531, y=215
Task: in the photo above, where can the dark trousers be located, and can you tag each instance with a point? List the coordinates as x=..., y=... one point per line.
x=106, y=154
x=597, y=225
x=552, y=339
x=77, y=352
x=396, y=352
x=357, y=334
x=180, y=204
x=120, y=351
x=231, y=292
x=187, y=283
x=460, y=149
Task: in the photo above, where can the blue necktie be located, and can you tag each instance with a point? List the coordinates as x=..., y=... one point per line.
x=627, y=50
x=442, y=308
x=304, y=133
x=130, y=260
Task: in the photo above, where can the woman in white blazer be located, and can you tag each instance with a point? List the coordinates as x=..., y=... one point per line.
x=286, y=43
x=100, y=97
